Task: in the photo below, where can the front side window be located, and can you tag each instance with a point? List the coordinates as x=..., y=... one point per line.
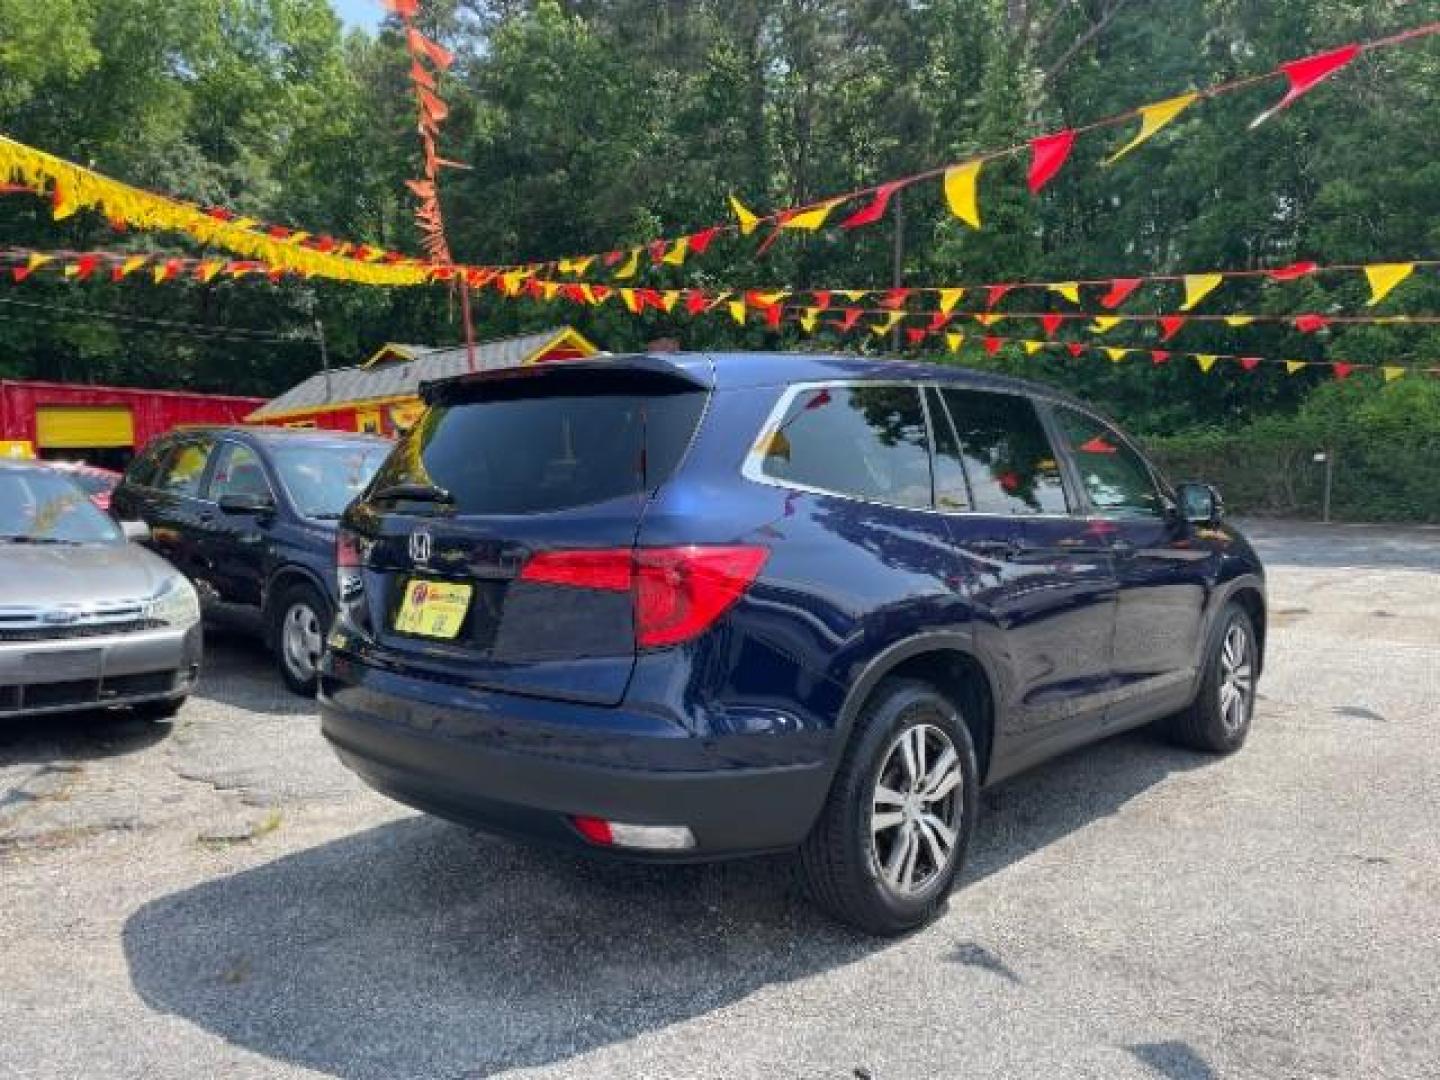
x=1115, y=477
x=186, y=467
x=868, y=442
x=1006, y=454
x=42, y=507
x=238, y=474
x=143, y=469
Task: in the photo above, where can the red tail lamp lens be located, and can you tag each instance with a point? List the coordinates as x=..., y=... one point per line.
x=679, y=591
x=594, y=829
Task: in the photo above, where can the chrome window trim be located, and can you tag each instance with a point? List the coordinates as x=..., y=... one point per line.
x=752, y=468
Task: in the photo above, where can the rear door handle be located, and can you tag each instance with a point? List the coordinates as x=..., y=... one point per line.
x=1123, y=549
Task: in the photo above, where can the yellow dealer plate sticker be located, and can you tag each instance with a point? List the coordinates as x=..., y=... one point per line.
x=434, y=609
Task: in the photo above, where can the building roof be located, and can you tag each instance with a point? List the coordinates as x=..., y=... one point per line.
x=396, y=371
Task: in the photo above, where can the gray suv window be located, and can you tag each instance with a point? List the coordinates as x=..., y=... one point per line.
x=865, y=441
x=1006, y=454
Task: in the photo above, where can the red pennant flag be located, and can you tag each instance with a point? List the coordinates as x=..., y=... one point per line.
x=1120, y=290
x=701, y=240
x=434, y=109
x=1341, y=370
x=612, y=257
x=772, y=315
x=1170, y=326
x=939, y=321
x=1051, y=322
x=1293, y=271
x=275, y=274
x=1077, y=349
x=657, y=250
x=535, y=290
x=168, y=270
x=85, y=266
x=1159, y=356
x=822, y=298
x=992, y=345
x=1308, y=324
x=406, y=9
x=915, y=334
x=423, y=189
x=895, y=299
x=1250, y=363
x=278, y=232
x=852, y=316
x=420, y=77
x=695, y=301
x=1306, y=74
x=437, y=54
x=601, y=293
x=1047, y=154
x=875, y=209
x=995, y=294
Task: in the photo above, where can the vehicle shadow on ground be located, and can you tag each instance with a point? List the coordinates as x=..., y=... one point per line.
x=240, y=671
x=419, y=949
x=70, y=738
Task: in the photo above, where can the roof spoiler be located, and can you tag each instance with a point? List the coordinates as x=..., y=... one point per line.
x=575, y=376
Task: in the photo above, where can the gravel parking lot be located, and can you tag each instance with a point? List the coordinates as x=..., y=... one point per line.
x=221, y=898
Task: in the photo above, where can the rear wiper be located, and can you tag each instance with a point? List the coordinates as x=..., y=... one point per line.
x=414, y=493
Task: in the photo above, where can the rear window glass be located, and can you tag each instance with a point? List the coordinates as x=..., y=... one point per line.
x=865, y=441
x=1006, y=454
x=531, y=455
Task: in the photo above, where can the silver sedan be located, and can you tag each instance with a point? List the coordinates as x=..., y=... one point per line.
x=87, y=618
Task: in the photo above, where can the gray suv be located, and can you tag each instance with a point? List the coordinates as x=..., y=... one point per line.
x=87, y=619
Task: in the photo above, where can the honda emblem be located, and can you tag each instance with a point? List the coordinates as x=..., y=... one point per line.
x=420, y=547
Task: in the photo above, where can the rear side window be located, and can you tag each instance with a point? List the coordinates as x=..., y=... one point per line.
x=864, y=441
x=142, y=470
x=1006, y=454
x=540, y=454
x=184, y=469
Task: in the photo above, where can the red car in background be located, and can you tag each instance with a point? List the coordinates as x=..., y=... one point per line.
x=96, y=482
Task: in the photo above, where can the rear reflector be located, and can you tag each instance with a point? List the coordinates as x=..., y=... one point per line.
x=679, y=591
x=650, y=837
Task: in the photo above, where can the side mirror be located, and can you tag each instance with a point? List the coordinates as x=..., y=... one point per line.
x=246, y=504
x=135, y=531
x=1200, y=504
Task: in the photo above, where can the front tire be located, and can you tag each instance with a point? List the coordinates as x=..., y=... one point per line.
x=300, y=619
x=1219, y=718
x=891, y=838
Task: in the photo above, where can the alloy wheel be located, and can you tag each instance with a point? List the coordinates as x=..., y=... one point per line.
x=915, y=810
x=301, y=641
x=1237, y=679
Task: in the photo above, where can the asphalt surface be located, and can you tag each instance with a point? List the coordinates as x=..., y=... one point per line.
x=220, y=898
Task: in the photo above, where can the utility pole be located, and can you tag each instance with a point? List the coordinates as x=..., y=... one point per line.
x=469, y=325
x=324, y=356
x=897, y=275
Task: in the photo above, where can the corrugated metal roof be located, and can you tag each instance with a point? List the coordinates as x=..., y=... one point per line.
x=387, y=380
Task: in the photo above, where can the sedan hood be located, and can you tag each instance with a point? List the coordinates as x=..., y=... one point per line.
x=56, y=575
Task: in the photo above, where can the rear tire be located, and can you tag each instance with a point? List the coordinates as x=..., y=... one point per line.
x=892, y=835
x=299, y=620
x=1219, y=718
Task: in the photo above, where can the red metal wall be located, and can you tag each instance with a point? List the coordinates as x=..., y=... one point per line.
x=155, y=411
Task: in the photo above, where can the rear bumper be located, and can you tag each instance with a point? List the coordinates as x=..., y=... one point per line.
x=523, y=766
x=57, y=676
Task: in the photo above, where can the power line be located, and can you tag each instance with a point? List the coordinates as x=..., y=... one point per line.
x=173, y=326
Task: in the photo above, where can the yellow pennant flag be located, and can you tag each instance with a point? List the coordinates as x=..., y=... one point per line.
x=949, y=298
x=1068, y=289
x=892, y=320
x=768, y=299
x=1199, y=286
x=1103, y=324
x=809, y=318
x=1239, y=320
x=669, y=298
x=988, y=319
x=130, y=265
x=854, y=295
x=810, y=218
x=36, y=260
x=747, y=220
x=632, y=265
x=1152, y=119
x=566, y=266
x=737, y=311
x=549, y=290
x=581, y=266
x=1385, y=276
x=64, y=201
x=1032, y=347
x=962, y=192
x=954, y=341
x=588, y=295
x=1392, y=373
x=627, y=297
x=1116, y=355
x=1292, y=366
x=1205, y=360
x=676, y=255
x=208, y=270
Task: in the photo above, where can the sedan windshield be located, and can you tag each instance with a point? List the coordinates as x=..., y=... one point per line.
x=323, y=478
x=42, y=507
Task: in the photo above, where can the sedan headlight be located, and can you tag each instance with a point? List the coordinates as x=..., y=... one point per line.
x=176, y=604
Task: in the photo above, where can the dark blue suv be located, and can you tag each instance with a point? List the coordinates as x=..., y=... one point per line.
x=687, y=607
x=249, y=515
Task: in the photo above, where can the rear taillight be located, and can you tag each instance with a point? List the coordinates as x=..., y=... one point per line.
x=347, y=564
x=679, y=591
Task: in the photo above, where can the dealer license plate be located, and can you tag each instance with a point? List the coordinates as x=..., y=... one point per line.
x=433, y=609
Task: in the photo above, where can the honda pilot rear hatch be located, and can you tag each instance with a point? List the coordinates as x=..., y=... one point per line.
x=505, y=466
